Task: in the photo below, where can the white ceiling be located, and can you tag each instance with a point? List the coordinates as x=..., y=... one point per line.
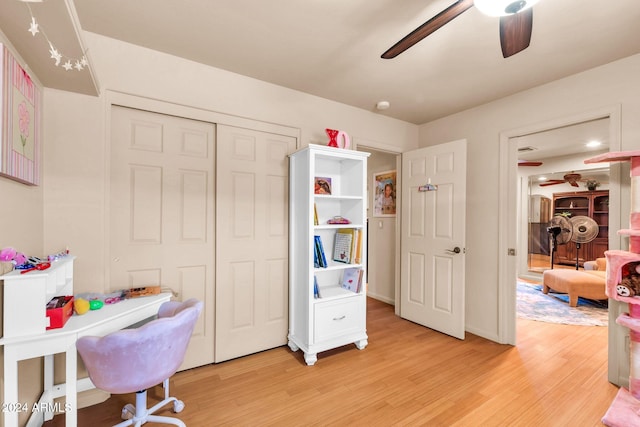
x=332, y=48
x=565, y=147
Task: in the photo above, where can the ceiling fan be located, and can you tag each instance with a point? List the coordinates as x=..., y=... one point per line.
x=516, y=21
x=528, y=163
x=570, y=178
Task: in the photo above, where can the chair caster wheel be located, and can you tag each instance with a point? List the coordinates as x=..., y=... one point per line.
x=178, y=406
x=128, y=411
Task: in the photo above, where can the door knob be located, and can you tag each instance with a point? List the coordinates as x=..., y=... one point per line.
x=455, y=250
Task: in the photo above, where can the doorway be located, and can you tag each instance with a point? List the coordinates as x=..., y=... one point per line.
x=382, y=235
x=511, y=189
x=551, y=168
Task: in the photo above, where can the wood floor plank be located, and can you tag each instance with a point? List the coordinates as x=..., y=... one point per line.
x=407, y=376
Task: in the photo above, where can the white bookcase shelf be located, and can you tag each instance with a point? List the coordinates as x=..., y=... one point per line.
x=26, y=296
x=338, y=316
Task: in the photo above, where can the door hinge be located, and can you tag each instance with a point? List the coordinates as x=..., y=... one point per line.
x=511, y=252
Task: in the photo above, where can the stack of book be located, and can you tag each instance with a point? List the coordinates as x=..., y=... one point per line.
x=352, y=279
x=319, y=259
x=347, y=246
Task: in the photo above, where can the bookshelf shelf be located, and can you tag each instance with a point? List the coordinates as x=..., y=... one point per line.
x=335, y=315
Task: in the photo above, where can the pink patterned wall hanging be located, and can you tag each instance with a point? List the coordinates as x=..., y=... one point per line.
x=20, y=133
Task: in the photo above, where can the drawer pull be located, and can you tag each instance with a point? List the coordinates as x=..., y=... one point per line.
x=340, y=318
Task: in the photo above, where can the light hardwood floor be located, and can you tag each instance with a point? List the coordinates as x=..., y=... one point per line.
x=407, y=376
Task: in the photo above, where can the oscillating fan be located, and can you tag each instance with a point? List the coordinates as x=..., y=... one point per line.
x=585, y=230
x=561, y=231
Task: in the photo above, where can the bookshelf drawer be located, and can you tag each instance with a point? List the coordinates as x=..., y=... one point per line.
x=338, y=318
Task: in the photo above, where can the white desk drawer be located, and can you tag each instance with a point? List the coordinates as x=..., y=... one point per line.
x=337, y=318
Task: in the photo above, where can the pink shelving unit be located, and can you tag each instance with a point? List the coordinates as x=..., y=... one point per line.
x=623, y=284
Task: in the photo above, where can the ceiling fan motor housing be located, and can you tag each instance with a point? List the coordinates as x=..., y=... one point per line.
x=515, y=7
x=503, y=7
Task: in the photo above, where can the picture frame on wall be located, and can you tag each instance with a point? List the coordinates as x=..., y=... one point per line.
x=384, y=194
x=20, y=127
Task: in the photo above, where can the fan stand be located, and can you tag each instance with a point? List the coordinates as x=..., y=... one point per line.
x=553, y=232
x=578, y=244
x=554, y=246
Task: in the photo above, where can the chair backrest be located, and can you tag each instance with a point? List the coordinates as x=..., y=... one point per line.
x=135, y=359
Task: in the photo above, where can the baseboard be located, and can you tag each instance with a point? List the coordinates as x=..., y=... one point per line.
x=382, y=298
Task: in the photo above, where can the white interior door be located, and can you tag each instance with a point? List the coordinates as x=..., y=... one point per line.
x=252, y=241
x=432, y=256
x=161, y=212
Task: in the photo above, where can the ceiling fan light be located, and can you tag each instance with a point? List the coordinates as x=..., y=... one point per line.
x=503, y=7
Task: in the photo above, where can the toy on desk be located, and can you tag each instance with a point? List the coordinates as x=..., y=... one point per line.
x=11, y=255
x=81, y=306
x=41, y=266
x=94, y=301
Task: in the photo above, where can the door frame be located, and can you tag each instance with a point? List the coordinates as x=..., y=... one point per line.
x=508, y=204
x=363, y=144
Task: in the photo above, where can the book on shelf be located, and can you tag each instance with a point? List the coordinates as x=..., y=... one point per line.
x=351, y=278
x=348, y=246
x=360, y=276
x=319, y=251
x=315, y=215
x=343, y=246
x=316, y=259
x=316, y=288
x=358, y=244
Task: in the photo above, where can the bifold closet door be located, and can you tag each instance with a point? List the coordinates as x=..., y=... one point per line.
x=162, y=207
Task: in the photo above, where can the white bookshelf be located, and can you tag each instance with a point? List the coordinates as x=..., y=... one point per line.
x=338, y=316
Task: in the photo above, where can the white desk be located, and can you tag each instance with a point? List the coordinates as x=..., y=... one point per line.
x=101, y=322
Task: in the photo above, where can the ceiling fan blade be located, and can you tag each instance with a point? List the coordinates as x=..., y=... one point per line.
x=528, y=163
x=428, y=27
x=552, y=182
x=515, y=32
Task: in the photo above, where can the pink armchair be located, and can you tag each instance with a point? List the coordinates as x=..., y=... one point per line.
x=133, y=360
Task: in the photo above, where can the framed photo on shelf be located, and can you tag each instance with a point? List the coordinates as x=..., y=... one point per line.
x=322, y=185
x=384, y=193
x=20, y=126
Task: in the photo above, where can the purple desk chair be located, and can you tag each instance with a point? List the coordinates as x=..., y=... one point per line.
x=133, y=360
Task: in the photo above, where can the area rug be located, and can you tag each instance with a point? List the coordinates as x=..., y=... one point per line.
x=532, y=304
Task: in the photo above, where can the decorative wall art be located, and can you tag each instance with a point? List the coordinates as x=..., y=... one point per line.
x=20, y=131
x=384, y=196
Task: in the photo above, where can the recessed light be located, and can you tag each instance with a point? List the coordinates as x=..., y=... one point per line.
x=383, y=105
x=542, y=178
x=593, y=144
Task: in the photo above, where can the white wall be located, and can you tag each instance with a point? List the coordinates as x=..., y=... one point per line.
x=612, y=84
x=21, y=227
x=381, y=269
x=76, y=127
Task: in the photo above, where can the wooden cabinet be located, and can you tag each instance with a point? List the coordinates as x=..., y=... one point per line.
x=593, y=204
x=334, y=315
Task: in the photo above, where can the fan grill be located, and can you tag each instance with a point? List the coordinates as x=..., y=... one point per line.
x=585, y=229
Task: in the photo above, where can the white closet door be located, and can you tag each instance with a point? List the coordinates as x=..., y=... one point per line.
x=252, y=241
x=162, y=207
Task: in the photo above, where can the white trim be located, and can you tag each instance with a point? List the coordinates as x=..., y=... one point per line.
x=390, y=149
x=180, y=110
